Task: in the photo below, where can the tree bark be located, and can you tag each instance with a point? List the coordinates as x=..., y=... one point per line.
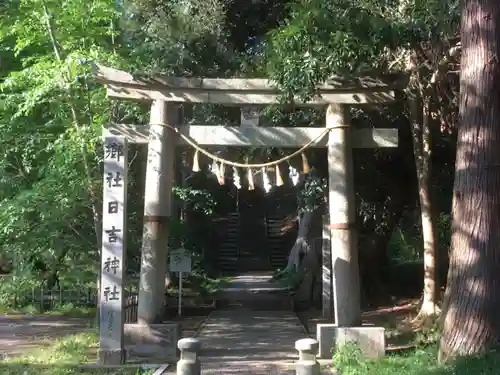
x=429, y=303
x=472, y=299
x=301, y=245
x=305, y=255
x=310, y=267
x=422, y=153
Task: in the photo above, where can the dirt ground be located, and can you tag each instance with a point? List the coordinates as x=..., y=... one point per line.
x=20, y=334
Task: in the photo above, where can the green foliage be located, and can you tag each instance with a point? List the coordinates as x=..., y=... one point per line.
x=180, y=37
x=443, y=232
x=289, y=279
x=51, y=116
x=323, y=38
x=406, y=240
x=72, y=349
x=199, y=200
x=422, y=361
x=429, y=333
x=51, y=120
x=63, y=357
x=312, y=196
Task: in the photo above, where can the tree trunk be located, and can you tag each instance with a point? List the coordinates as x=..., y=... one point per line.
x=310, y=267
x=422, y=152
x=472, y=299
x=53, y=276
x=305, y=255
x=301, y=245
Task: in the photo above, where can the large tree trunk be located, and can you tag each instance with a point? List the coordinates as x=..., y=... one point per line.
x=472, y=300
x=310, y=267
x=301, y=245
x=422, y=153
x=305, y=255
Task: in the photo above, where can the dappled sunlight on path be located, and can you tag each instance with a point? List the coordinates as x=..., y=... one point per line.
x=252, y=342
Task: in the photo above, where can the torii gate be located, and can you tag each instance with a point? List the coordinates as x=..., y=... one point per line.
x=340, y=275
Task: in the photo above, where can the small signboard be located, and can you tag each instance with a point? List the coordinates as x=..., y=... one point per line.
x=180, y=261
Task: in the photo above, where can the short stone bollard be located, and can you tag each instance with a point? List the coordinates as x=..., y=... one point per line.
x=307, y=363
x=189, y=362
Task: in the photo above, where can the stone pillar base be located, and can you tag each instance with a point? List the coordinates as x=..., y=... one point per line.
x=153, y=339
x=112, y=357
x=370, y=339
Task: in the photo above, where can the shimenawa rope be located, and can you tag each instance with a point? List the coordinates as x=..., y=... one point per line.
x=193, y=144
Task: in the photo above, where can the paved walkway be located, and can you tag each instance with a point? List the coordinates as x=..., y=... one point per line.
x=238, y=340
x=241, y=341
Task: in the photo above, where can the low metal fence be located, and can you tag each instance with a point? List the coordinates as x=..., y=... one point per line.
x=45, y=299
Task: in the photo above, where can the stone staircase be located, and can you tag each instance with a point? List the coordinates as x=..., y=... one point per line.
x=254, y=244
x=255, y=291
x=280, y=235
x=250, y=251
x=228, y=250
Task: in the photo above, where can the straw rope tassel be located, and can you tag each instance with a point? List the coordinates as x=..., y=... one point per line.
x=305, y=163
x=196, y=163
x=251, y=185
x=279, y=180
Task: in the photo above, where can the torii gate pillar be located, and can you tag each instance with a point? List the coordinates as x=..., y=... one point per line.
x=342, y=246
x=157, y=213
x=342, y=214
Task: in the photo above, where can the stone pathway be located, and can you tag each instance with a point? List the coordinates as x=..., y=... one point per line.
x=242, y=341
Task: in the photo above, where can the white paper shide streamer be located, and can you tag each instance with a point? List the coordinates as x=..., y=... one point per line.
x=294, y=175
x=266, y=181
x=236, y=178
x=214, y=168
x=251, y=185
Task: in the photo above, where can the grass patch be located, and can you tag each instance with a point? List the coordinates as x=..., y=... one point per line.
x=62, y=358
x=67, y=309
x=72, y=349
x=422, y=361
x=287, y=279
x=71, y=310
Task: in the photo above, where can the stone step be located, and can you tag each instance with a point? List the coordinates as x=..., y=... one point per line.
x=257, y=301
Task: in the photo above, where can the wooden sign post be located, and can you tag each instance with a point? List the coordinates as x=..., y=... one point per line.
x=111, y=349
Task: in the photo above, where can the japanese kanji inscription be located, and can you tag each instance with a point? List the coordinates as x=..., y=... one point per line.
x=113, y=245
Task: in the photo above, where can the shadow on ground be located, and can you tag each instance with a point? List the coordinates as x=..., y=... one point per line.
x=21, y=334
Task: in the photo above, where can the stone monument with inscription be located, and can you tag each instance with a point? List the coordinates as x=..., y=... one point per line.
x=111, y=349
